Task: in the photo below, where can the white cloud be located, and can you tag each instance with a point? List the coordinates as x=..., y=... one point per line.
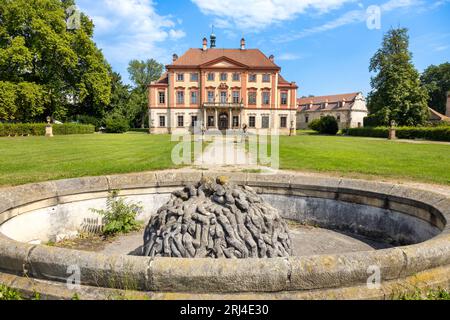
x=258, y=14
x=350, y=17
x=286, y=56
x=129, y=29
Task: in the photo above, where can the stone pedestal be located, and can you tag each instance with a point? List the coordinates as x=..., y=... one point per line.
x=392, y=134
x=49, y=131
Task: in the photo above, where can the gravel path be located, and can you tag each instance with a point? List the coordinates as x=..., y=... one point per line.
x=225, y=152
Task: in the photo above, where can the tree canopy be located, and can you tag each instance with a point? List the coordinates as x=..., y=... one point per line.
x=142, y=73
x=436, y=79
x=397, y=92
x=47, y=68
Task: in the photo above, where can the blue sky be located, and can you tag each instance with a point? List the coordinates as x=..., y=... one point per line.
x=323, y=45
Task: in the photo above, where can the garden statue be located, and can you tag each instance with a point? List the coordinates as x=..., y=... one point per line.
x=49, y=128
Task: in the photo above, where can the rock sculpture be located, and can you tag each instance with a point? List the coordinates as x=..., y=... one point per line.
x=215, y=219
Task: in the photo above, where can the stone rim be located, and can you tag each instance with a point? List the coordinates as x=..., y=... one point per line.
x=205, y=275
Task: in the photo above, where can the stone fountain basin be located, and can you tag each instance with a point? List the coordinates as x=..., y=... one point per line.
x=416, y=221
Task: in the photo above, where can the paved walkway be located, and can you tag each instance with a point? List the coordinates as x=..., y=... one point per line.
x=225, y=152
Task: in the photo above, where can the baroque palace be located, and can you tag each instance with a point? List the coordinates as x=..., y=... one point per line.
x=223, y=89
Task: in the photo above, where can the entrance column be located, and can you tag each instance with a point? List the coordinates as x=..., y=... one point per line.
x=216, y=119
x=205, y=123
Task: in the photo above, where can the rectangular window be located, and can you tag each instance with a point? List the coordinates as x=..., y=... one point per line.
x=194, y=97
x=252, y=98
x=252, y=77
x=180, y=97
x=194, y=121
x=194, y=77
x=235, y=121
x=162, y=121
x=306, y=119
x=180, y=77
x=210, y=76
x=236, y=77
x=223, y=76
x=210, y=121
x=266, y=98
x=223, y=97
x=266, y=77
x=236, y=97
x=338, y=118
x=162, y=97
x=180, y=121
x=284, y=98
x=283, y=122
x=252, y=122
x=210, y=96
x=265, y=122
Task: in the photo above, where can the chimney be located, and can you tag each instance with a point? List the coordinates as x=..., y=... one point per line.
x=272, y=58
x=447, y=112
x=174, y=57
x=205, y=44
x=242, y=44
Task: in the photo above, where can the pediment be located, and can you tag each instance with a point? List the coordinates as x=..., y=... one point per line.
x=223, y=62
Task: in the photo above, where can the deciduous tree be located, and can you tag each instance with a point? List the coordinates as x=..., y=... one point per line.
x=436, y=79
x=397, y=93
x=56, y=69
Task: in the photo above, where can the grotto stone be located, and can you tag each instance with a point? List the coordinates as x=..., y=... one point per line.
x=216, y=219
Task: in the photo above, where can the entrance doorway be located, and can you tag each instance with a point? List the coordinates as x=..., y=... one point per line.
x=223, y=121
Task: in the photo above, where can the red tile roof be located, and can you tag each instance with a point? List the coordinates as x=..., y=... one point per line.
x=434, y=115
x=348, y=97
x=164, y=79
x=252, y=58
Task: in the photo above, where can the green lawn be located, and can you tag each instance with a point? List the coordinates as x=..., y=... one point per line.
x=31, y=159
x=353, y=156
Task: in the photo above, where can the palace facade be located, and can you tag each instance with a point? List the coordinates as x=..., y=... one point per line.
x=223, y=89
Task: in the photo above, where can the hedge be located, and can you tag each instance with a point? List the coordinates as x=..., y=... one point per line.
x=142, y=130
x=441, y=133
x=38, y=129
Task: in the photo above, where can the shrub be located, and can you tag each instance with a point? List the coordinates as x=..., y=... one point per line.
x=86, y=119
x=315, y=125
x=7, y=293
x=142, y=130
x=116, y=124
x=325, y=125
x=38, y=129
x=119, y=216
x=439, y=133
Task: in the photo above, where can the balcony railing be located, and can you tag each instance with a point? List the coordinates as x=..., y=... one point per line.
x=223, y=105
